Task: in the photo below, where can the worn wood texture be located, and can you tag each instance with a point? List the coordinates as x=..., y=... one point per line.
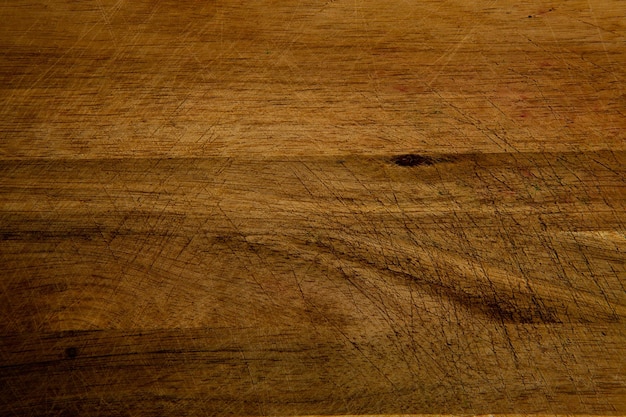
x=314, y=207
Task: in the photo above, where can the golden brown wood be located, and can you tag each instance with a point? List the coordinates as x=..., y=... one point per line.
x=318, y=207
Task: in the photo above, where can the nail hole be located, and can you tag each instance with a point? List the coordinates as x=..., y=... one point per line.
x=71, y=352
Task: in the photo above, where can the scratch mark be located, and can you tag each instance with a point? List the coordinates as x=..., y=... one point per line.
x=450, y=53
x=107, y=22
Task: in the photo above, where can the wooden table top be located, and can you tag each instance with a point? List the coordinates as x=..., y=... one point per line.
x=312, y=207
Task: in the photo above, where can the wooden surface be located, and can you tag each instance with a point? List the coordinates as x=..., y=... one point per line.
x=312, y=207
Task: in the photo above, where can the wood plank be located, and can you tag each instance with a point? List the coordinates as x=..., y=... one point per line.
x=156, y=78
x=303, y=370
x=312, y=208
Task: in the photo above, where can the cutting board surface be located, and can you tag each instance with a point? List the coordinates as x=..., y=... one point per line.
x=312, y=207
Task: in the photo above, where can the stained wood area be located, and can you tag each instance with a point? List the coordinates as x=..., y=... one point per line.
x=312, y=207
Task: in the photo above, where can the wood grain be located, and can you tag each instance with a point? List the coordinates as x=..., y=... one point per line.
x=312, y=208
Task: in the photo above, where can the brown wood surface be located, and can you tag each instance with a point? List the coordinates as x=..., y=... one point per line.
x=312, y=207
